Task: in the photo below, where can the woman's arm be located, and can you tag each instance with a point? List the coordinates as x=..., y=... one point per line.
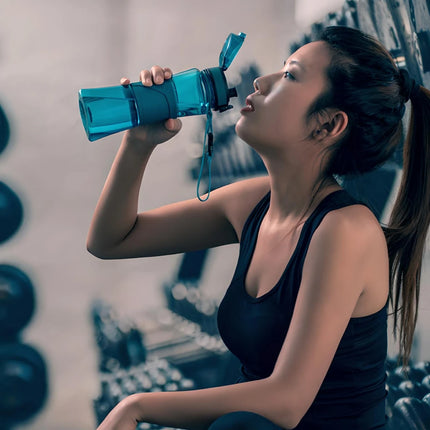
x=197, y=409
x=119, y=231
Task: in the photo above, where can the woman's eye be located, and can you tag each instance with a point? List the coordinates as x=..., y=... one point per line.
x=288, y=75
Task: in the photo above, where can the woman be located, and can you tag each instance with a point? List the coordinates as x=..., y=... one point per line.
x=306, y=309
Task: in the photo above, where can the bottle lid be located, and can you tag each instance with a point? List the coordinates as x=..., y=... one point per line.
x=230, y=49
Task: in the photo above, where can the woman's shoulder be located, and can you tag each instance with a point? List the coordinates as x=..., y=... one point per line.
x=352, y=225
x=353, y=219
x=355, y=236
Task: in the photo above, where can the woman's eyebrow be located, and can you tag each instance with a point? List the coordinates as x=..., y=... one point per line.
x=295, y=63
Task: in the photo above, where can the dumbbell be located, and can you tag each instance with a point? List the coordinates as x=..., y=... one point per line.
x=410, y=413
x=17, y=301
x=121, y=345
x=11, y=212
x=4, y=130
x=414, y=373
x=426, y=383
x=23, y=382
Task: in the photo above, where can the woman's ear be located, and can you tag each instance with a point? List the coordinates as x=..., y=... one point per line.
x=334, y=126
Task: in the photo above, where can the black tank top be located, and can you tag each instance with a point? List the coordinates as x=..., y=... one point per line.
x=352, y=394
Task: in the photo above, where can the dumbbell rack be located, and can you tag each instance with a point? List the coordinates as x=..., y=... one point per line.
x=151, y=376
x=171, y=353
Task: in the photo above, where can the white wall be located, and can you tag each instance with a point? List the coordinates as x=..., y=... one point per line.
x=310, y=11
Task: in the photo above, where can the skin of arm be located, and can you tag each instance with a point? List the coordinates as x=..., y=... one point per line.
x=334, y=276
x=119, y=231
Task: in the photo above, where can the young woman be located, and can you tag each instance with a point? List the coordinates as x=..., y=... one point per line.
x=306, y=309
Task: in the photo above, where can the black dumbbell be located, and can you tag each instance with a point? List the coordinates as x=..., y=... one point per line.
x=120, y=344
x=23, y=382
x=4, y=130
x=393, y=394
x=11, y=212
x=416, y=372
x=394, y=379
x=412, y=389
x=426, y=399
x=410, y=413
x=426, y=383
x=423, y=367
x=391, y=363
x=17, y=301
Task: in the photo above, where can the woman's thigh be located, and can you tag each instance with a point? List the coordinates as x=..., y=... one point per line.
x=243, y=421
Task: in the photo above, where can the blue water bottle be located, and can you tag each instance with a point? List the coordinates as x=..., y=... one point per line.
x=109, y=110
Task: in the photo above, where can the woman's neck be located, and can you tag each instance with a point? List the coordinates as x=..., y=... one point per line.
x=296, y=190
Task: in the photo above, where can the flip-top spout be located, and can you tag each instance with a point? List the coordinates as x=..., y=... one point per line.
x=230, y=49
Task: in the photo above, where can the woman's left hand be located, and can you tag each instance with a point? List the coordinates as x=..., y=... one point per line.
x=122, y=417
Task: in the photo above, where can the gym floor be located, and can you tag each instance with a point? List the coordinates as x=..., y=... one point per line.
x=48, y=51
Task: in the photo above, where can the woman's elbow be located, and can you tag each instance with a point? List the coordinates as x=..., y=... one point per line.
x=96, y=253
x=99, y=251
x=289, y=419
x=289, y=410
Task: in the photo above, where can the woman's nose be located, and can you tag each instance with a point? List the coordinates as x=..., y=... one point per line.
x=263, y=84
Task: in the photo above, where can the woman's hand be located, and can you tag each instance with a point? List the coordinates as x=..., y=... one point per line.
x=153, y=134
x=122, y=417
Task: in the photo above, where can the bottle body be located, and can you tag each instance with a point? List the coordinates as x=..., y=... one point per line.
x=193, y=93
x=108, y=110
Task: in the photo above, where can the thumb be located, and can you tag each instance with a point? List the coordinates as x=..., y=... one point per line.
x=173, y=125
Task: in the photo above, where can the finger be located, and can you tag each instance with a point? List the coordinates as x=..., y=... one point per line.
x=125, y=81
x=145, y=77
x=157, y=74
x=167, y=72
x=173, y=125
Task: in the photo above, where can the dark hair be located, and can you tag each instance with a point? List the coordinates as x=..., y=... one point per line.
x=364, y=82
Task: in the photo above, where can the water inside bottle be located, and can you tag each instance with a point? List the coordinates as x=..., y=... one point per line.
x=193, y=95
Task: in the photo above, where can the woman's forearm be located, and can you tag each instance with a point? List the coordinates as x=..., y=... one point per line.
x=197, y=409
x=116, y=210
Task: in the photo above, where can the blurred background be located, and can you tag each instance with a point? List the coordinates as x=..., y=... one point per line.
x=51, y=177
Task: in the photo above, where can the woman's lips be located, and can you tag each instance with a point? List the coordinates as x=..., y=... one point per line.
x=249, y=107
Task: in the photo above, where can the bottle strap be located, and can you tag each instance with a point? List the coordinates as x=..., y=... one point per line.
x=207, y=155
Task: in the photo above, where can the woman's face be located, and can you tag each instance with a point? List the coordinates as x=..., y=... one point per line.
x=275, y=114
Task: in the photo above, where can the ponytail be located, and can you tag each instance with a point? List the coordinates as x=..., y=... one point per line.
x=365, y=83
x=407, y=229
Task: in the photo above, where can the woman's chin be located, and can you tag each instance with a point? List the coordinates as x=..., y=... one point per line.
x=244, y=134
x=242, y=130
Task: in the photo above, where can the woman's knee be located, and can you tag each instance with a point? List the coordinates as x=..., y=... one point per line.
x=243, y=420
